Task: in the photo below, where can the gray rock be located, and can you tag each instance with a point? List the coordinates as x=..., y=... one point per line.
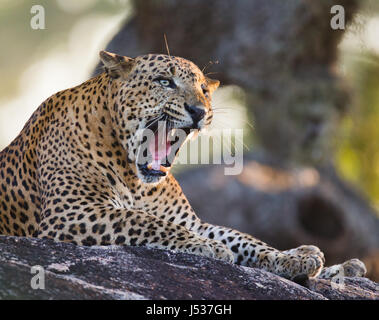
x=76, y=272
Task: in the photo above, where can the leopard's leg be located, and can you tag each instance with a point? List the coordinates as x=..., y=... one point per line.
x=251, y=252
x=106, y=225
x=247, y=250
x=350, y=268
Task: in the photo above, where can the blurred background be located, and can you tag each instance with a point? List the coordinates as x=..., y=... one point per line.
x=306, y=96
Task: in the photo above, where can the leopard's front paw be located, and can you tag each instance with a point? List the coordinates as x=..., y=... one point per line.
x=354, y=268
x=350, y=268
x=306, y=250
x=302, y=261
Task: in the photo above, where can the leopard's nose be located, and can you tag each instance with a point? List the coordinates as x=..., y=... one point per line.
x=196, y=113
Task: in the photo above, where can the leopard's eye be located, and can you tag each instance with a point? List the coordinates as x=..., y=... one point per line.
x=165, y=82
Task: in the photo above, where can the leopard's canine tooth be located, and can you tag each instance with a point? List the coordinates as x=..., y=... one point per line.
x=161, y=168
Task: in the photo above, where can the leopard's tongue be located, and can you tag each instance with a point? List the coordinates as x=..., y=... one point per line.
x=159, y=148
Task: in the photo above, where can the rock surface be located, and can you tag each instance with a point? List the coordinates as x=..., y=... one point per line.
x=75, y=272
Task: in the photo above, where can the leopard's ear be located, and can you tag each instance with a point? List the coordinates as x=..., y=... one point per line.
x=116, y=66
x=212, y=84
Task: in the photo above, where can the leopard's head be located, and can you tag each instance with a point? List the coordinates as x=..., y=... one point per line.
x=156, y=102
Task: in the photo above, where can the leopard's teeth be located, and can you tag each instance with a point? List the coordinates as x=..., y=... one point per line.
x=172, y=132
x=161, y=168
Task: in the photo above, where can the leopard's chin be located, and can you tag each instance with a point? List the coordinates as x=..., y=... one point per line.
x=149, y=175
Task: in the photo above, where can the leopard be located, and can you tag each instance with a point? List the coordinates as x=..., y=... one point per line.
x=92, y=167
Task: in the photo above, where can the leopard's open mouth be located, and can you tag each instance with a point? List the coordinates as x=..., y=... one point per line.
x=160, y=144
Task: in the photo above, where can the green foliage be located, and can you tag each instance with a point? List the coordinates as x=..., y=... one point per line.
x=358, y=152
